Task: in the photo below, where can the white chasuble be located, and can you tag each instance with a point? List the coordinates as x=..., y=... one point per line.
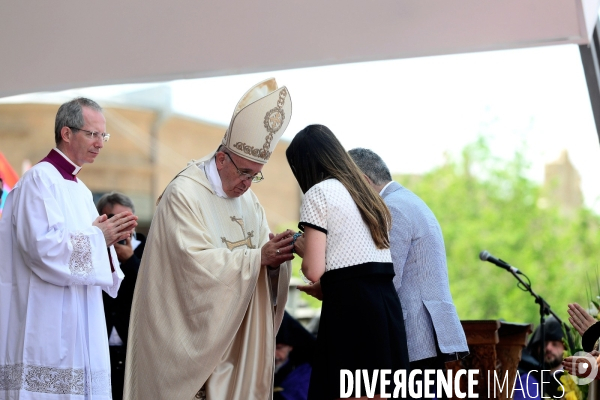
x=53, y=267
x=204, y=310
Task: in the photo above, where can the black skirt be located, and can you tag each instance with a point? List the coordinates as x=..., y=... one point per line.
x=361, y=327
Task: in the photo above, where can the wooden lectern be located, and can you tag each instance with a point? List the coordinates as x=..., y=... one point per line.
x=495, y=350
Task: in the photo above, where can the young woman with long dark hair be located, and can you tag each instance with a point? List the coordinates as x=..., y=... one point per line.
x=346, y=254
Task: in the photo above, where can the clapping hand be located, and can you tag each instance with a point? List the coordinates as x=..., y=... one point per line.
x=579, y=318
x=118, y=227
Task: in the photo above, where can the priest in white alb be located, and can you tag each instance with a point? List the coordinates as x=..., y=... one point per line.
x=213, y=282
x=55, y=260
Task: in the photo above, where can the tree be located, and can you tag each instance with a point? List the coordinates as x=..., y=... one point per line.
x=483, y=202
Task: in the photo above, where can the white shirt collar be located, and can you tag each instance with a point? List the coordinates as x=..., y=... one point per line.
x=212, y=173
x=134, y=242
x=383, y=190
x=77, y=167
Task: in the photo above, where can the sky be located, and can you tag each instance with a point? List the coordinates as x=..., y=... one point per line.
x=414, y=111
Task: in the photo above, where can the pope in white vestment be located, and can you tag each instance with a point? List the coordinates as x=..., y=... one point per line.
x=207, y=306
x=53, y=266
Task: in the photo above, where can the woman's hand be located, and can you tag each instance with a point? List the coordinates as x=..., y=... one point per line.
x=313, y=262
x=312, y=289
x=299, y=246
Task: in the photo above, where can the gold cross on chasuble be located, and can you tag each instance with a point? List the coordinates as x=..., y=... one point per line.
x=244, y=242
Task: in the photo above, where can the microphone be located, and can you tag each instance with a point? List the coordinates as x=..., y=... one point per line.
x=486, y=256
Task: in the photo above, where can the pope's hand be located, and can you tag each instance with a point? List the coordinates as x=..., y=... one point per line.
x=119, y=227
x=278, y=249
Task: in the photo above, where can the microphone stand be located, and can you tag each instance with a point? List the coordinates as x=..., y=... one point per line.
x=544, y=310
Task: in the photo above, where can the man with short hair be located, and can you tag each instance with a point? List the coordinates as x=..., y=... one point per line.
x=117, y=311
x=213, y=282
x=433, y=329
x=57, y=257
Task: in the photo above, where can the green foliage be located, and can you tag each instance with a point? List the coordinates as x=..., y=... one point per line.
x=482, y=203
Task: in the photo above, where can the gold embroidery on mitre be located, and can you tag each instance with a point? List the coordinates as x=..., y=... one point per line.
x=243, y=242
x=274, y=119
x=251, y=150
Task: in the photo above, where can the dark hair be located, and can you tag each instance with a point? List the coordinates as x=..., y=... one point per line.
x=71, y=114
x=112, y=198
x=371, y=165
x=315, y=154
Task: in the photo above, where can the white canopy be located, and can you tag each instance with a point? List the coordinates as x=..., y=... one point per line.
x=55, y=45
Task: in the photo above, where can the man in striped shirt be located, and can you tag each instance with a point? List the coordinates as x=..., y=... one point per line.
x=433, y=329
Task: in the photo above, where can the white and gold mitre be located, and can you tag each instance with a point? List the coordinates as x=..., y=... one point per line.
x=259, y=120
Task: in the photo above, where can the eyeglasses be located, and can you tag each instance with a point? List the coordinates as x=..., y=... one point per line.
x=247, y=177
x=94, y=135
